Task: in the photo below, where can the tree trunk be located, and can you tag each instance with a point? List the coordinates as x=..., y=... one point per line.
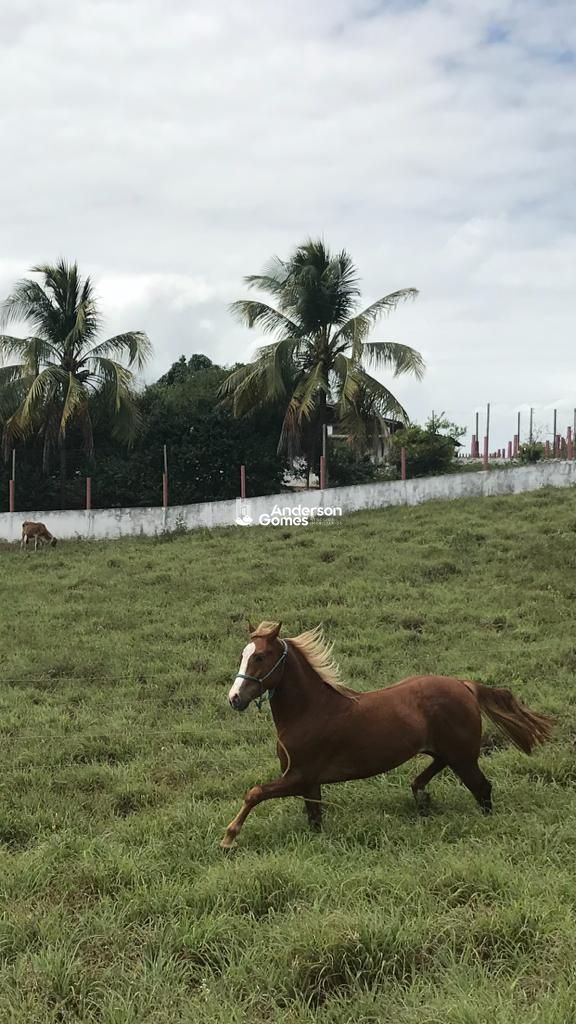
x=62, y=453
x=322, y=418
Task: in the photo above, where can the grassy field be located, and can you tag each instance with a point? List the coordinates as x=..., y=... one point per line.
x=121, y=764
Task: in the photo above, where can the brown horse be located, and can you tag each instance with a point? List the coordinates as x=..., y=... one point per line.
x=36, y=532
x=328, y=733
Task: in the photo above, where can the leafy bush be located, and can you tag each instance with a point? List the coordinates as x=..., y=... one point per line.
x=427, y=453
x=346, y=467
x=532, y=452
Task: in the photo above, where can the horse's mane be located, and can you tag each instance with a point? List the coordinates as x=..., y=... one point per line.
x=317, y=652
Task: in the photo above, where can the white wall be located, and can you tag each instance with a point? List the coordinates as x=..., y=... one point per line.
x=132, y=522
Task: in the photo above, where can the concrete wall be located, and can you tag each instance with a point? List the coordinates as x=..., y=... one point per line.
x=133, y=522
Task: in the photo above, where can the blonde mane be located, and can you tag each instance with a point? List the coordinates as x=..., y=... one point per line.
x=316, y=651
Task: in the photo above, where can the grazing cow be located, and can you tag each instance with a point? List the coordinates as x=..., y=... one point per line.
x=38, y=533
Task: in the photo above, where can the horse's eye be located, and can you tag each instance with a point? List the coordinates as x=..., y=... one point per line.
x=257, y=657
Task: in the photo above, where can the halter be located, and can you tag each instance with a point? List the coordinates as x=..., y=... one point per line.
x=265, y=694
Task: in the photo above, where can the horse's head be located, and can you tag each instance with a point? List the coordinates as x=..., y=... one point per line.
x=261, y=666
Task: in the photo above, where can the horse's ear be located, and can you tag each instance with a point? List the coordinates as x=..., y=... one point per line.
x=274, y=632
x=251, y=628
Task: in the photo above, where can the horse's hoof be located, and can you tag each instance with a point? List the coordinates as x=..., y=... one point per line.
x=227, y=843
x=423, y=804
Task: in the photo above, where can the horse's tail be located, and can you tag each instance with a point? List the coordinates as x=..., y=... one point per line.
x=525, y=728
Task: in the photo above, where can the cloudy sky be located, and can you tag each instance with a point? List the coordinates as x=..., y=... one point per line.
x=172, y=146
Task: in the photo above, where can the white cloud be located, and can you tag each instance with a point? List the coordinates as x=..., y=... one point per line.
x=172, y=148
x=121, y=292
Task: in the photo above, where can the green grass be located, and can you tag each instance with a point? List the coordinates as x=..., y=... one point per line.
x=121, y=764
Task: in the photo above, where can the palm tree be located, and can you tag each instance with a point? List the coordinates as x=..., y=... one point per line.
x=49, y=381
x=317, y=360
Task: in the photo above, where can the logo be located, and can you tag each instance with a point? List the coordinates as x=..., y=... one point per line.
x=242, y=516
x=288, y=515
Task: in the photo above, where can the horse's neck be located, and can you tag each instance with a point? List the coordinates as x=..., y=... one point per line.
x=301, y=694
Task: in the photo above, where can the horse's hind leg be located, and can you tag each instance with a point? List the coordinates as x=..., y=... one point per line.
x=421, y=797
x=469, y=773
x=313, y=802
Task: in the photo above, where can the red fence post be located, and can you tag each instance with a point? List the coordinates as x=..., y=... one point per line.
x=516, y=444
x=322, y=472
x=485, y=457
x=11, y=495
x=509, y=449
x=473, y=446
x=403, y=463
x=242, y=481
x=88, y=493
x=547, y=449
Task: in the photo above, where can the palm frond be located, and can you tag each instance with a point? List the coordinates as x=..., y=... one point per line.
x=320, y=289
x=33, y=352
x=246, y=389
x=272, y=279
x=258, y=314
x=127, y=421
x=365, y=407
x=266, y=381
x=12, y=374
x=234, y=380
x=308, y=390
x=112, y=377
x=348, y=380
x=63, y=280
x=302, y=409
x=43, y=385
x=379, y=396
x=82, y=326
x=38, y=396
x=30, y=304
x=115, y=386
x=400, y=358
x=11, y=389
x=135, y=344
x=278, y=361
x=75, y=399
x=355, y=331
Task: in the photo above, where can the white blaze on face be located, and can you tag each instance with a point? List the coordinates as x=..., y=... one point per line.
x=246, y=655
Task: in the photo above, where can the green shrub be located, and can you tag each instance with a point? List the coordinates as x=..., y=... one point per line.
x=427, y=453
x=532, y=452
x=347, y=467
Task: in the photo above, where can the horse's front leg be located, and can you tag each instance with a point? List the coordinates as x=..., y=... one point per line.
x=291, y=784
x=313, y=802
